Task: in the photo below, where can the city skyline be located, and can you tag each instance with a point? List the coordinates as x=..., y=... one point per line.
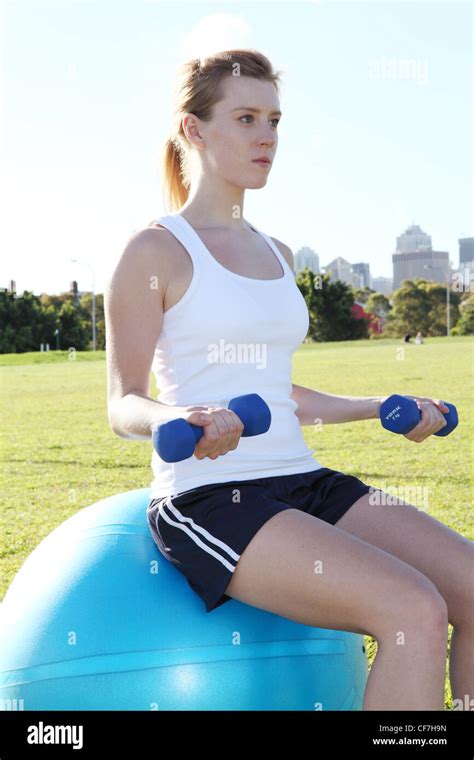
x=412, y=240
x=376, y=130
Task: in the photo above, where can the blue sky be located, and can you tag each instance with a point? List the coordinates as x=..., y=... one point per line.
x=377, y=128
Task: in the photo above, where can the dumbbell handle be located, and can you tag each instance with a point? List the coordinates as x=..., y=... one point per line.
x=400, y=414
x=176, y=440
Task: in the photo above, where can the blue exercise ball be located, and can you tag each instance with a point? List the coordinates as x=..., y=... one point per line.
x=97, y=619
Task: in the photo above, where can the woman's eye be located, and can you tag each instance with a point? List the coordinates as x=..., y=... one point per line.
x=249, y=116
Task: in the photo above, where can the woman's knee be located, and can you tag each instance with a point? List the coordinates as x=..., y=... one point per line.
x=420, y=608
x=432, y=612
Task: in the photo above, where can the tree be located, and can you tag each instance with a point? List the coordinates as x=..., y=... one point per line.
x=72, y=330
x=465, y=324
x=29, y=320
x=362, y=295
x=378, y=304
x=420, y=305
x=85, y=310
x=329, y=304
x=22, y=322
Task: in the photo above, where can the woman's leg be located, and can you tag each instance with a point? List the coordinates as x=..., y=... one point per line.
x=307, y=570
x=441, y=554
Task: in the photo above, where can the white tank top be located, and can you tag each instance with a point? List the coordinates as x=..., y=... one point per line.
x=227, y=336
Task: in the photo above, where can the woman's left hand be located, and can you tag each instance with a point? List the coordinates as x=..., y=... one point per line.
x=431, y=420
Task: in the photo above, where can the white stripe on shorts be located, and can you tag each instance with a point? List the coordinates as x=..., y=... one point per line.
x=178, y=523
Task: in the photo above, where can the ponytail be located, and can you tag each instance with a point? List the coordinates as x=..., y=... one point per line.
x=176, y=186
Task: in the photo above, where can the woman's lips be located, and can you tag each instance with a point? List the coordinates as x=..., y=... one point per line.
x=263, y=163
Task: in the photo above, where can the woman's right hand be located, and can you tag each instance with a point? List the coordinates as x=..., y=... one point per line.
x=222, y=430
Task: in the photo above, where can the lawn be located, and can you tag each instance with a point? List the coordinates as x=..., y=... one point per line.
x=60, y=454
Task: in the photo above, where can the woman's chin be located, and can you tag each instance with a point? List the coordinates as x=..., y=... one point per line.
x=256, y=182
x=248, y=182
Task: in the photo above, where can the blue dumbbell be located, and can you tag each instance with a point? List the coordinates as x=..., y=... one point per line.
x=401, y=414
x=177, y=439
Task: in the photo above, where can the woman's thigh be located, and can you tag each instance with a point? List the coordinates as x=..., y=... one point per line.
x=308, y=570
x=415, y=537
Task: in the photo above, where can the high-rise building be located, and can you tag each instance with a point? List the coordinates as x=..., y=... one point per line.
x=73, y=288
x=463, y=278
x=306, y=257
x=339, y=269
x=382, y=285
x=466, y=250
x=361, y=275
x=429, y=265
x=415, y=257
x=11, y=287
x=413, y=239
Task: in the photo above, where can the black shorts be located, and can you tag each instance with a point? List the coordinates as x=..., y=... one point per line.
x=204, y=531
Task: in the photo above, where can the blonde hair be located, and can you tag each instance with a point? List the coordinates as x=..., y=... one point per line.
x=198, y=88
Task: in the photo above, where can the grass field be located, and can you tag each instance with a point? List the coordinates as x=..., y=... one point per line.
x=60, y=454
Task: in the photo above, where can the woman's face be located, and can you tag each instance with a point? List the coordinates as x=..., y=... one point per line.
x=243, y=128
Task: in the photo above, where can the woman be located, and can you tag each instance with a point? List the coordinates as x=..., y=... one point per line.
x=260, y=519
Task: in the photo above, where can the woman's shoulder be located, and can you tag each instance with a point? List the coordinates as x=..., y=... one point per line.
x=164, y=241
x=156, y=245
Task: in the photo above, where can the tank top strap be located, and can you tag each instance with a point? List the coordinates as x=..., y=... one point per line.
x=275, y=250
x=174, y=224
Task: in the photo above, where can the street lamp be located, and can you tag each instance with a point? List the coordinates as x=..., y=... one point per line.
x=448, y=314
x=94, y=340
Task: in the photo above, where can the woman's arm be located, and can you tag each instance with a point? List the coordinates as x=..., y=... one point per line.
x=314, y=407
x=133, y=321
